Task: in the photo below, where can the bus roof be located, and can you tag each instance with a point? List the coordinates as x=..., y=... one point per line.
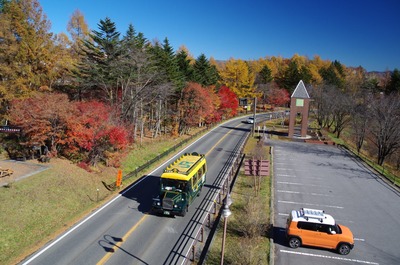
x=182, y=168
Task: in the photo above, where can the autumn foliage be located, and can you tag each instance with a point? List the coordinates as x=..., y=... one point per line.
x=229, y=102
x=83, y=131
x=196, y=104
x=278, y=97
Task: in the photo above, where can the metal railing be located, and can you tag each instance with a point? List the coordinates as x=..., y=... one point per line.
x=225, y=182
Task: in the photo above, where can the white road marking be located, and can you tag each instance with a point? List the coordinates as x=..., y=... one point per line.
x=289, y=191
x=297, y=192
x=37, y=254
x=312, y=204
x=299, y=184
x=359, y=239
x=285, y=175
x=329, y=257
x=291, y=169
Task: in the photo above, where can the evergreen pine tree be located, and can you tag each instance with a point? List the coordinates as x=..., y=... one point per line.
x=204, y=73
x=394, y=83
x=99, y=67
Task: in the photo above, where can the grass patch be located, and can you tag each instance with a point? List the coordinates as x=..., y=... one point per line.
x=247, y=240
x=34, y=210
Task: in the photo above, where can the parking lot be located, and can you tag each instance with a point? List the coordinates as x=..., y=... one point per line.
x=329, y=178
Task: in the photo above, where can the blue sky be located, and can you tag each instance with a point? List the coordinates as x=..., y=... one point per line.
x=354, y=32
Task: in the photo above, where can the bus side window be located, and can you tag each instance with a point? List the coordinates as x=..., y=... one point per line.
x=190, y=184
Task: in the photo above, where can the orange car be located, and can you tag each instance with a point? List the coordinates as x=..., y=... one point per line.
x=315, y=228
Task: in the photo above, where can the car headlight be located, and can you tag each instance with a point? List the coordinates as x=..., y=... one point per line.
x=158, y=203
x=175, y=206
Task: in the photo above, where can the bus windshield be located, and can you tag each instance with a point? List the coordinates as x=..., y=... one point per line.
x=172, y=184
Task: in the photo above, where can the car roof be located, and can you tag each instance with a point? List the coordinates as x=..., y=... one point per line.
x=312, y=216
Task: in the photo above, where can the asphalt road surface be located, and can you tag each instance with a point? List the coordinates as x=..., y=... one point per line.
x=329, y=178
x=124, y=231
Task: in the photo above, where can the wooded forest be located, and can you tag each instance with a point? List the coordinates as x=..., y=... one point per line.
x=89, y=94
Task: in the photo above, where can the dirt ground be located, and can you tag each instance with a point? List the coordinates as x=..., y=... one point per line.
x=21, y=169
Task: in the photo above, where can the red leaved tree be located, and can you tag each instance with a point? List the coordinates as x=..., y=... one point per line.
x=278, y=96
x=82, y=131
x=42, y=119
x=229, y=102
x=195, y=107
x=93, y=135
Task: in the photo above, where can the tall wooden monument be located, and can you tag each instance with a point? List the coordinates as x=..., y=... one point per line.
x=299, y=104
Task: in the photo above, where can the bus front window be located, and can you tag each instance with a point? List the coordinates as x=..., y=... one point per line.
x=171, y=184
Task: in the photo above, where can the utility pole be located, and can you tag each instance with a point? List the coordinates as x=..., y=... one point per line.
x=254, y=115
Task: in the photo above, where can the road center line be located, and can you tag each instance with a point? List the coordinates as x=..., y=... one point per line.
x=125, y=237
x=118, y=244
x=329, y=257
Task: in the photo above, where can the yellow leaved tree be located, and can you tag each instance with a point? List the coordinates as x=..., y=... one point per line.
x=236, y=75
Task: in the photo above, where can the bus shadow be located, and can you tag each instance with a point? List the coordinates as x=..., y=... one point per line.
x=143, y=191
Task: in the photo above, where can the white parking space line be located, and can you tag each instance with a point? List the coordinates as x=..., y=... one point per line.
x=359, y=239
x=312, y=204
x=285, y=175
x=298, y=184
x=289, y=191
x=283, y=214
x=294, y=176
x=290, y=169
x=297, y=192
x=329, y=257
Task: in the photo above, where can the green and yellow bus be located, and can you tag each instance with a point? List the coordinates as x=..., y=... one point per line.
x=181, y=182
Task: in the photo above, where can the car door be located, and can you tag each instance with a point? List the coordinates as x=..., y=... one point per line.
x=327, y=236
x=308, y=233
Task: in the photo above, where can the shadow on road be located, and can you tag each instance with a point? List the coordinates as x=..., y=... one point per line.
x=143, y=191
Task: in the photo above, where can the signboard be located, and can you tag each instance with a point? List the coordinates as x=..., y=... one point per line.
x=9, y=129
x=256, y=167
x=243, y=102
x=299, y=102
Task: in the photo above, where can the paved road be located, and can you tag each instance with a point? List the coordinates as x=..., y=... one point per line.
x=328, y=178
x=124, y=231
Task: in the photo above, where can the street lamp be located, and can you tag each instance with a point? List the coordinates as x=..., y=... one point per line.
x=225, y=213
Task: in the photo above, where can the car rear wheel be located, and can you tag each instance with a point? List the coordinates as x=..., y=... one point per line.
x=344, y=249
x=294, y=242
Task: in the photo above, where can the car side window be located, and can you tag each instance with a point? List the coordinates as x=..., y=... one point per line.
x=324, y=228
x=307, y=226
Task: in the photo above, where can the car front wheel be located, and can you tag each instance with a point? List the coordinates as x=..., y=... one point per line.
x=344, y=249
x=294, y=242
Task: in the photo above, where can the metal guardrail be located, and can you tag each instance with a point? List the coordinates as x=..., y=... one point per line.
x=211, y=220
x=160, y=156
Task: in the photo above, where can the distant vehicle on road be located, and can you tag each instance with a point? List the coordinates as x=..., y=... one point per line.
x=315, y=228
x=250, y=120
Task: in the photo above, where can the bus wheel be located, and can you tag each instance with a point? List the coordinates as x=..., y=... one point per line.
x=185, y=211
